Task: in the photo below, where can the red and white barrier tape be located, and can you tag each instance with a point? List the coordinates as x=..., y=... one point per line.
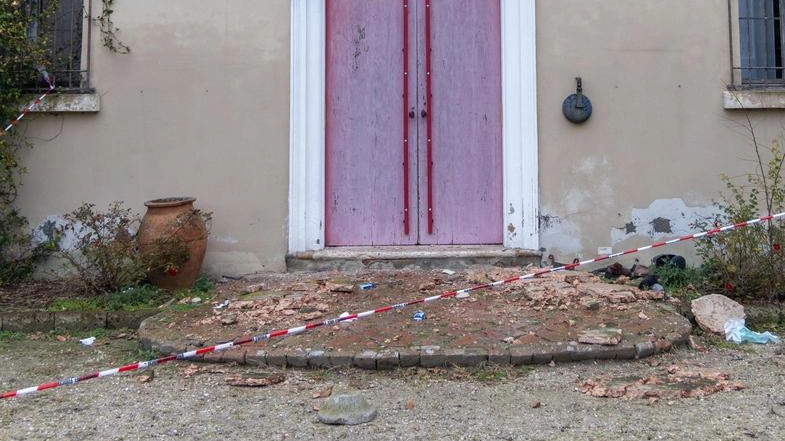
x=28, y=109
x=297, y=330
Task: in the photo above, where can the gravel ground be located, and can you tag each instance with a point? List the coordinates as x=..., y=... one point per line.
x=187, y=401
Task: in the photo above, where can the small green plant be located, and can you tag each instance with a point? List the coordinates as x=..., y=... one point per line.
x=673, y=278
x=203, y=284
x=77, y=304
x=130, y=299
x=136, y=298
x=11, y=336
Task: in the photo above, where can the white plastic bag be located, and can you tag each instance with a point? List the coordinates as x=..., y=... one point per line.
x=736, y=332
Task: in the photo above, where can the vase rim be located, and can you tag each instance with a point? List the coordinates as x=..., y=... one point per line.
x=170, y=201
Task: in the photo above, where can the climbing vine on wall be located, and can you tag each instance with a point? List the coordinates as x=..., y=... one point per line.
x=109, y=30
x=20, y=58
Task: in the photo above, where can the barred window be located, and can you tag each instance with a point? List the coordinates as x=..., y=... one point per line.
x=69, y=48
x=761, y=42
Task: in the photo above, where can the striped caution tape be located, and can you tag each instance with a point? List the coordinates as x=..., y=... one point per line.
x=29, y=108
x=300, y=329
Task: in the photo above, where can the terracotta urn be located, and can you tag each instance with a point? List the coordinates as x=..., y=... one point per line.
x=173, y=224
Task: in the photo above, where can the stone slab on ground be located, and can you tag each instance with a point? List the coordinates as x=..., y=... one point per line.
x=346, y=409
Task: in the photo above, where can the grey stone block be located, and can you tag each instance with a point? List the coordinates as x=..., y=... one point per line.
x=645, y=349
x=69, y=320
x=340, y=358
x=466, y=357
x=297, y=358
x=32, y=321
x=433, y=357
x=584, y=352
x=232, y=355
x=563, y=355
x=408, y=358
x=387, y=360
x=365, y=360
x=499, y=356
x=542, y=357
x=317, y=359
x=521, y=355
x=623, y=353
x=276, y=358
x=256, y=357
x=346, y=409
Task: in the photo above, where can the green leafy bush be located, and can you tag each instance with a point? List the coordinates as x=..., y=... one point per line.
x=748, y=261
x=104, y=253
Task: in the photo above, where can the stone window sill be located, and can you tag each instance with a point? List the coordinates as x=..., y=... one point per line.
x=754, y=99
x=68, y=102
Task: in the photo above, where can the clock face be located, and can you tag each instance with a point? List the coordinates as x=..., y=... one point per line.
x=576, y=108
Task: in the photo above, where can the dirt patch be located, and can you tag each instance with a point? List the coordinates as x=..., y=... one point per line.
x=550, y=312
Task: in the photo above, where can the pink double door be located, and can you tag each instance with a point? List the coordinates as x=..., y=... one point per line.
x=414, y=119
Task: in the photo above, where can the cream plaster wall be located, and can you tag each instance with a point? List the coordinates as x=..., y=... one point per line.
x=659, y=138
x=200, y=107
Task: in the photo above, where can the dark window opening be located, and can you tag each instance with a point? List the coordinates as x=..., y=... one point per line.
x=69, y=57
x=760, y=42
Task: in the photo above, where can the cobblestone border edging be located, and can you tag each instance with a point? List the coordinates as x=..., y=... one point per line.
x=44, y=321
x=430, y=356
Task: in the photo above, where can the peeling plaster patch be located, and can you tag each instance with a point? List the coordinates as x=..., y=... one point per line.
x=663, y=217
x=512, y=210
x=511, y=233
x=68, y=239
x=48, y=227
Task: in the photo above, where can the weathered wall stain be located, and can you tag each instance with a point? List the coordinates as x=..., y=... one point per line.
x=662, y=217
x=547, y=221
x=661, y=225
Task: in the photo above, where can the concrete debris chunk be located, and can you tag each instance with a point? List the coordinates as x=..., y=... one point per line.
x=346, y=409
x=600, y=336
x=712, y=311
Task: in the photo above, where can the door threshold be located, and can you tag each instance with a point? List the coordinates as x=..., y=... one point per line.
x=416, y=256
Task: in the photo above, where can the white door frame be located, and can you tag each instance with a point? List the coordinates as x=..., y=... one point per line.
x=307, y=125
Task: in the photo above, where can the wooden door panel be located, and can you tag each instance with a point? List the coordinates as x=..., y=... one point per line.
x=366, y=117
x=466, y=118
x=364, y=112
